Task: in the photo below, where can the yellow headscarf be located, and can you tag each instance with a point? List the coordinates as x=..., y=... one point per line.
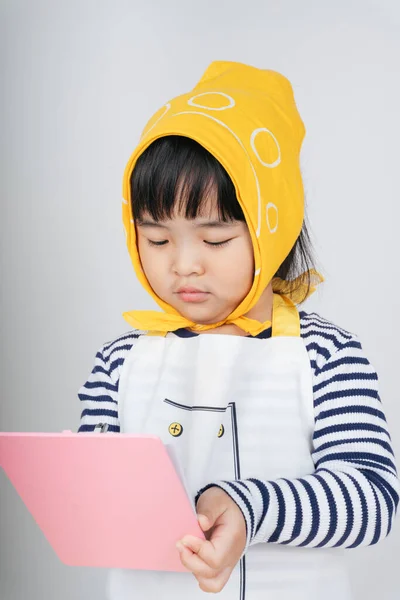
x=247, y=119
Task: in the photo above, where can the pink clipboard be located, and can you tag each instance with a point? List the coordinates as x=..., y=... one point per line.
x=102, y=500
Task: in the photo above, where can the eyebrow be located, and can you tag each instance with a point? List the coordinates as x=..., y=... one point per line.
x=206, y=224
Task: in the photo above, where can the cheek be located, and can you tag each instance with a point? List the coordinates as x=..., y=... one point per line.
x=151, y=263
x=237, y=266
x=143, y=254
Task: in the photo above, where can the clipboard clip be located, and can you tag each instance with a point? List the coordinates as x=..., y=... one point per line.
x=101, y=428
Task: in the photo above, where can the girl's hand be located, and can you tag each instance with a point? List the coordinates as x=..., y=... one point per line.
x=212, y=560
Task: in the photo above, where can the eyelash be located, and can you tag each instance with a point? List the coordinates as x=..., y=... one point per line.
x=218, y=244
x=157, y=243
x=212, y=244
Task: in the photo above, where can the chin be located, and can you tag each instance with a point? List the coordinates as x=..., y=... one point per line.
x=198, y=317
x=200, y=313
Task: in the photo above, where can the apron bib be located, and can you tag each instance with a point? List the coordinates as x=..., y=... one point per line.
x=232, y=407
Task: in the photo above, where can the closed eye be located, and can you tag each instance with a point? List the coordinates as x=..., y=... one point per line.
x=162, y=243
x=218, y=244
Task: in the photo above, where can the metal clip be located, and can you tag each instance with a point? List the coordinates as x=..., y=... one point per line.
x=101, y=428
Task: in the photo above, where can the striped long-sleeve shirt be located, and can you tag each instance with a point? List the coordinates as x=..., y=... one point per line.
x=352, y=496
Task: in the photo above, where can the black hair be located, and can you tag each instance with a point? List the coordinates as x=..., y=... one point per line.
x=176, y=172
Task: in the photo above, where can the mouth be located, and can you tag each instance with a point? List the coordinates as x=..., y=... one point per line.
x=190, y=294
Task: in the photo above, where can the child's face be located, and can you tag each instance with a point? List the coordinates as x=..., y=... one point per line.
x=180, y=256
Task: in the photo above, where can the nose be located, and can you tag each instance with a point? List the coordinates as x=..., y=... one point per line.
x=186, y=262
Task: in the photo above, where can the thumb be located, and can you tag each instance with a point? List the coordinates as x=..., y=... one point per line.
x=209, y=509
x=205, y=522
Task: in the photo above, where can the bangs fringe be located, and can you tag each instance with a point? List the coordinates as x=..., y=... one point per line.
x=176, y=174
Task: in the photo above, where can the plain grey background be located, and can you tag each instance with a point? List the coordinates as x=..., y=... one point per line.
x=79, y=79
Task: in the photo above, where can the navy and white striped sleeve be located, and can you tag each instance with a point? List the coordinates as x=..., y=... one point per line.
x=99, y=395
x=352, y=496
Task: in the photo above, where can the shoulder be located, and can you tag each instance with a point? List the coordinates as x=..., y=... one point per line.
x=344, y=380
x=121, y=344
x=326, y=341
x=112, y=354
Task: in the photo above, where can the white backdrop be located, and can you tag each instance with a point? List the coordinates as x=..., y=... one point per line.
x=79, y=79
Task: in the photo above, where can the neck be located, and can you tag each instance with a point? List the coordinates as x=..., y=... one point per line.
x=262, y=312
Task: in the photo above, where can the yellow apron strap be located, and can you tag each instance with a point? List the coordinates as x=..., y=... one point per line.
x=285, y=317
x=160, y=333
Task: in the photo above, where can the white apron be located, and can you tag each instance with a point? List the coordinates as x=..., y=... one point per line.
x=233, y=407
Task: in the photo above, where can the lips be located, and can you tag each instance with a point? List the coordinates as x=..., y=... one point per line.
x=190, y=290
x=192, y=294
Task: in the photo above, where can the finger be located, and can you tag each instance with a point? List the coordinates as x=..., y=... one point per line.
x=195, y=564
x=205, y=550
x=193, y=542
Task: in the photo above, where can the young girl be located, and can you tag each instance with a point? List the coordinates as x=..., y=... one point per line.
x=275, y=414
